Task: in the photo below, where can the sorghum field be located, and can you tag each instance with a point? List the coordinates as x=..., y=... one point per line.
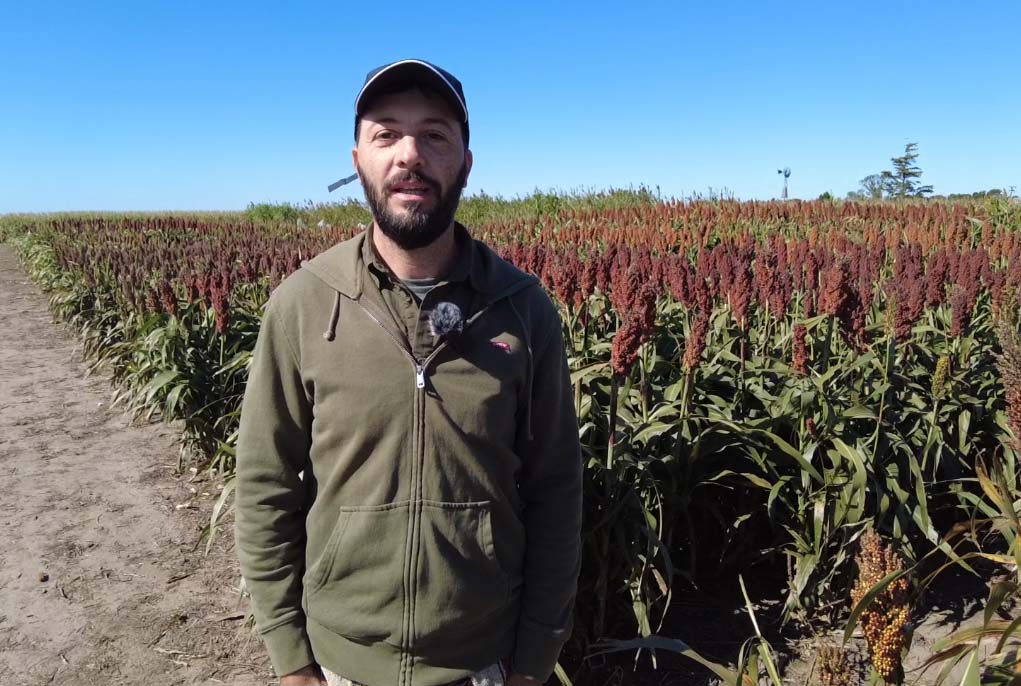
x=816, y=402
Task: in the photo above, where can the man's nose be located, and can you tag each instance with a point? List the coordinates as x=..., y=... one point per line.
x=408, y=154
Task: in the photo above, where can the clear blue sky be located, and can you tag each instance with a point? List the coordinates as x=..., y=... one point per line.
x=211, y=105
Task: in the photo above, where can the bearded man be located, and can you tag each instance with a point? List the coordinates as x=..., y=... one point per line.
x=409, y=475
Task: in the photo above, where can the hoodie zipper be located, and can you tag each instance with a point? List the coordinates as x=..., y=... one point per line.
x=408, y=620
x=420, y=369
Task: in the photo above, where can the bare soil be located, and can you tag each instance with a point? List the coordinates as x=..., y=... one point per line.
x=101, y=580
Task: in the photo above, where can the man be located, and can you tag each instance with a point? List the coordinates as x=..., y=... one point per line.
x=409, y=475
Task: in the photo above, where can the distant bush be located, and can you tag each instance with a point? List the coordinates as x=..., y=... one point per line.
x=271, y=213
x=347, y=214
x=474, y=210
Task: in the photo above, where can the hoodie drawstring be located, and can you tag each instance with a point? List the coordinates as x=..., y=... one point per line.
x=331, y=328
x=529, y=371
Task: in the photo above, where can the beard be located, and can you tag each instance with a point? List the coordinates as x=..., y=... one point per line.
x=418, y=227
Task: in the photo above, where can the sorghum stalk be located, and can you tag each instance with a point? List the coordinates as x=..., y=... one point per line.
x=937, y=391
x=887, y=358
x=1008, y=363
x=765, y=330
x=612, y=435
x=644, y=371
x=826, y=345
x=687, y=382
x=585, y=328
x=577, y=398
x=604, y=540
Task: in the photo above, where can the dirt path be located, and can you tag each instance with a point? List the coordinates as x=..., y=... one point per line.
x=100, y=582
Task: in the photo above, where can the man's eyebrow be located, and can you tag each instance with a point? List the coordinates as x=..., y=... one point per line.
x=437, y=120
x=427, y=120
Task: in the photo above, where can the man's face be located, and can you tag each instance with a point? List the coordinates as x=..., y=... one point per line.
x=412, y=164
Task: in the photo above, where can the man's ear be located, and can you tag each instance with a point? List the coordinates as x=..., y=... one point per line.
x=467, y=166
x=354, y=158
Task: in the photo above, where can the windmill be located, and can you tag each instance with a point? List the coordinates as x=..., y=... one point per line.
x=786, y=171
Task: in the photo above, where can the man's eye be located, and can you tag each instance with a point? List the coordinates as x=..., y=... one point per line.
x=386, y=135
x=437, y=137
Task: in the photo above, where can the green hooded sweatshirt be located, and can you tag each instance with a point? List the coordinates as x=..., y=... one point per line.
x=408, y=508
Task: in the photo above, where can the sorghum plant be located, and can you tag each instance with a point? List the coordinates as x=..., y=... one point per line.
x=885, y=621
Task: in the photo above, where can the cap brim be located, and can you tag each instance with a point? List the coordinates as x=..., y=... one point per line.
x=410, y=70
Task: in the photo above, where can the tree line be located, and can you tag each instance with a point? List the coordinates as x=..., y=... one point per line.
x=900, y=182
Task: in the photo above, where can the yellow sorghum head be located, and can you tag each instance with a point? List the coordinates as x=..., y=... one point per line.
x=885, y=621
x=891, y=307
x=834, y=667
x=939, y=377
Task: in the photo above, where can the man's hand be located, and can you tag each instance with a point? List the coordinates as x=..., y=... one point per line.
x=306, y=676
x=516, y=679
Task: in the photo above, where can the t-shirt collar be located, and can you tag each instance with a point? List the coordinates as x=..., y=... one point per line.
x=461, y=270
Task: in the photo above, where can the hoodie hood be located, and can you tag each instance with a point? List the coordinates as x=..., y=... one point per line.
x=341, y=268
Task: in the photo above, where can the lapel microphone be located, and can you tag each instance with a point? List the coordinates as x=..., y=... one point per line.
x=445, y=319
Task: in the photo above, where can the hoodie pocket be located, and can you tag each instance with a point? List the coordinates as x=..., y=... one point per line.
x=460, y=582
x=356, y=588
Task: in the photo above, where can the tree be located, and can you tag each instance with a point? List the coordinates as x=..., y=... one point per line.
x=873, y=186
x=903, y=182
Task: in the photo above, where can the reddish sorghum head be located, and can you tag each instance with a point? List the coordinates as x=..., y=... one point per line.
x=839, y=298
x=624, y=288
x=677, y=276
x=800, y=357
x=937, y=270
x=961, y=308
x=694, y=345
x=221, y=302
x=565, y=274
x=637, y=327
x=168, y=299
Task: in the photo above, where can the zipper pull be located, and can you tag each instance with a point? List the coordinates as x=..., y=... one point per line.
x=419, y=376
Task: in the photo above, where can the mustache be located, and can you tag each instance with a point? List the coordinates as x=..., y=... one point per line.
x=412, y=177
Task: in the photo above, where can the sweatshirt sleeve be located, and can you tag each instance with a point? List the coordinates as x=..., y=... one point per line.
x=272, y=448
x=550, y=484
